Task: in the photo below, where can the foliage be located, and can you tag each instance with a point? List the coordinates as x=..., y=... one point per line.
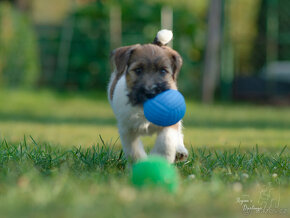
x=242, y=30
x=276, y=37
x=89, y=65
x=262, y=29
x=89, y=57
x=18, y=49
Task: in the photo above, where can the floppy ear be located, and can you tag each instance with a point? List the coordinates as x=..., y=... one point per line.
x=176, y=61
x=121, y=56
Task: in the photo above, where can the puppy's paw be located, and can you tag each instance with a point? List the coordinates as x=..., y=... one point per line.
x=181, y=154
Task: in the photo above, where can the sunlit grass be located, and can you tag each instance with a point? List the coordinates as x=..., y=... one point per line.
x=77, y=119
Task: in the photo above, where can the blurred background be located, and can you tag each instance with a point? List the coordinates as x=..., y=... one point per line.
x=232, y=49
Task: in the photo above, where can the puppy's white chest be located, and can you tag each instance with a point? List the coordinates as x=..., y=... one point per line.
x=130, y=117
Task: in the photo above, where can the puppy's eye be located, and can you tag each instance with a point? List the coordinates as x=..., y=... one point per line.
x=163, y=70
x=138, y=70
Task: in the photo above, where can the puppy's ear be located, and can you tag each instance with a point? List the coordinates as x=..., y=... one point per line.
x=176, y=61
x=121, y=56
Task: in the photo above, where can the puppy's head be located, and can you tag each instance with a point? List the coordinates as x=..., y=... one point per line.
x=149, y=69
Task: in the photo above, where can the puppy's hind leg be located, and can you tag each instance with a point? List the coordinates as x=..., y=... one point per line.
x=132, y=146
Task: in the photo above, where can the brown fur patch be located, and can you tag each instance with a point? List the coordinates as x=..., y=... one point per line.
x=146, y=66
x=119, y=59
x=113, y=85
x=151, y=58
x=175, y=126
x=176, y=60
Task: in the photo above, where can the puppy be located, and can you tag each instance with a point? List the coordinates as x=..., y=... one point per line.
x=140, y=73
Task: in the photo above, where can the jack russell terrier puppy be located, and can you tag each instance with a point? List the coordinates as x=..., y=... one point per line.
x=140, y=73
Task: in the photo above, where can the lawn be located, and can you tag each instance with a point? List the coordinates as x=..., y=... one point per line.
x=60, y=157
x=76, y=119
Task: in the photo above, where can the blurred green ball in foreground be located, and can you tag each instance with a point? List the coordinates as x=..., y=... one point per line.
x=155, y=172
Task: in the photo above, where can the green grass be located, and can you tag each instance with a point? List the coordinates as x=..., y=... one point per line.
x=78, y=119
x=44, y=181
x=60, y=157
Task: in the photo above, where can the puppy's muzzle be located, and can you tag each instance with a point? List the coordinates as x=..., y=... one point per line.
x=141, y=94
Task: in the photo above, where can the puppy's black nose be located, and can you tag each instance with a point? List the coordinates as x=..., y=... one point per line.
x=140, y=94
x=152, y=91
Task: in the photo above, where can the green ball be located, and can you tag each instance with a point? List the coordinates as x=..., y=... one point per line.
x=155, y=172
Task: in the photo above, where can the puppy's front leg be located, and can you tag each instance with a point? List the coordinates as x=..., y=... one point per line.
x=169, y=143
x=132, y=145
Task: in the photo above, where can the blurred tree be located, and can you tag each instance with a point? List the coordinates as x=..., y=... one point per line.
x=212, y=53
x=88, y=66
x=92, y=39
x=242, y=16
x=239, y=32
x=18, y=49
x=23, y=5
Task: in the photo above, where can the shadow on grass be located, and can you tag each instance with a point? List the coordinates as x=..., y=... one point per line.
x=197, y=122
x=237, y=124
x=104, y=121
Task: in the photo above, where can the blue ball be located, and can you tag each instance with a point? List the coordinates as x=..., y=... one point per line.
x=165, y=109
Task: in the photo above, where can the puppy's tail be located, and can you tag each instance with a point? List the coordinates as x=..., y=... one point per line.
x=163, y=37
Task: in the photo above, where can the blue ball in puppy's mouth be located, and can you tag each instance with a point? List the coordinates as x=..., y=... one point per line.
x=166, y=108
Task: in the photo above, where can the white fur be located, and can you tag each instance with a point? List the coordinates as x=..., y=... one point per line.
x=164, y=36
x=131, y=117
x=132, y=124
x=166, y=143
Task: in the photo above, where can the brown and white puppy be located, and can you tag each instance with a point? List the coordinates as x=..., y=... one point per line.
x=140, y=73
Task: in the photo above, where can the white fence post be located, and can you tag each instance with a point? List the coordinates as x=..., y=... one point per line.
x=167, y=20
x=115, y=27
